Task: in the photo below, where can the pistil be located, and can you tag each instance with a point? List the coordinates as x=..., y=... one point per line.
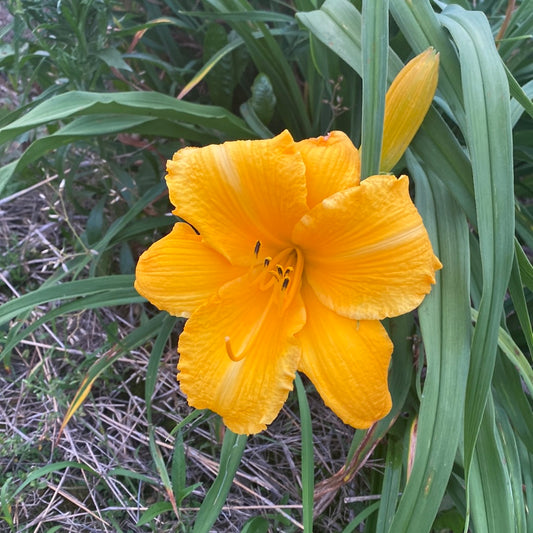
x=283, y=280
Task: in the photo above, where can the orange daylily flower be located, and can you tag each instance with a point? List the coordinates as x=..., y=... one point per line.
x=290, y=266
x=288, y=271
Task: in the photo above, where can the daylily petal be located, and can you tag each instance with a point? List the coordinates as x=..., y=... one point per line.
x=179, y=272
x=332, y=164
x=367, y=253
x=250, y=392
x=406, y=103
x=347, y=361
x=241, y=192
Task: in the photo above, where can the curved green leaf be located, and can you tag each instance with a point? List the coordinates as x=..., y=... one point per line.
x=488, y=137
x=446, y=329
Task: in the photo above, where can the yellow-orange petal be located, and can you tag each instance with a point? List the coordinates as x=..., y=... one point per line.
x=347, y=361
x=332, y=164
x=406, y=104
x=250, y=392
x=367, y=253
x=179, y=272
x=241, y=192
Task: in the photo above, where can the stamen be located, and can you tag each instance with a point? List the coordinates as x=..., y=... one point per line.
x=257, y=248
x=286, y=277
x=294, y=276
x=230, y=353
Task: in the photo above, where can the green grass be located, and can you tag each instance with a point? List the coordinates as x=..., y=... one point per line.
x=81, y=196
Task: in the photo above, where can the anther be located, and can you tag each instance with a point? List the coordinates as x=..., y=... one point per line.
x=266, y=262
x=257, y=248
x=280, y=270
x=288, y=270
x=285, y=284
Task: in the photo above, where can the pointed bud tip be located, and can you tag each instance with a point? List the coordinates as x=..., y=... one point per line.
x=406, y=104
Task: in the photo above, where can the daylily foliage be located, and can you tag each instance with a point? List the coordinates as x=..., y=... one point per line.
x=287, y=263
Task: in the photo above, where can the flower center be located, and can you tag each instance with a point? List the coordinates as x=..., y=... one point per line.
x=282, y=272
x=281, y=275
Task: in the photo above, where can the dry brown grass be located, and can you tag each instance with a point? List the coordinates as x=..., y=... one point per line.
x=109, y=434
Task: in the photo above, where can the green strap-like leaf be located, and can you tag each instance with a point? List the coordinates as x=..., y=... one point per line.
x=490, y=493
x=446, y=330
x=308, y=478
x=375, y=51
x=230, y=458
x=488, y=136
x=390, y=491
x=338, y=25
x=147, y=104
x=155, y=357
x=148, y=113
x=421, y=28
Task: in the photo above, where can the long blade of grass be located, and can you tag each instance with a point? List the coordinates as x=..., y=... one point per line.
x=492, y=504
x=153, y=512
x=520, y=94
x=153, y=364
x=520, y=305
x=47, y=469
x=488, y=136
x=526, y=459
x=361, y=517
x=445, y=158
x=308, y=475
x=179, y=470
x=526, y=269
x=243, y=16
x=161, y=468
x=112, y=297
x=517, y=103
x=509, y=393
x=71, y=289
x=511, y=461
x=230, y=458
x=204, y=71
x=375, y=51
x=514, y=354
x=390, y=491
